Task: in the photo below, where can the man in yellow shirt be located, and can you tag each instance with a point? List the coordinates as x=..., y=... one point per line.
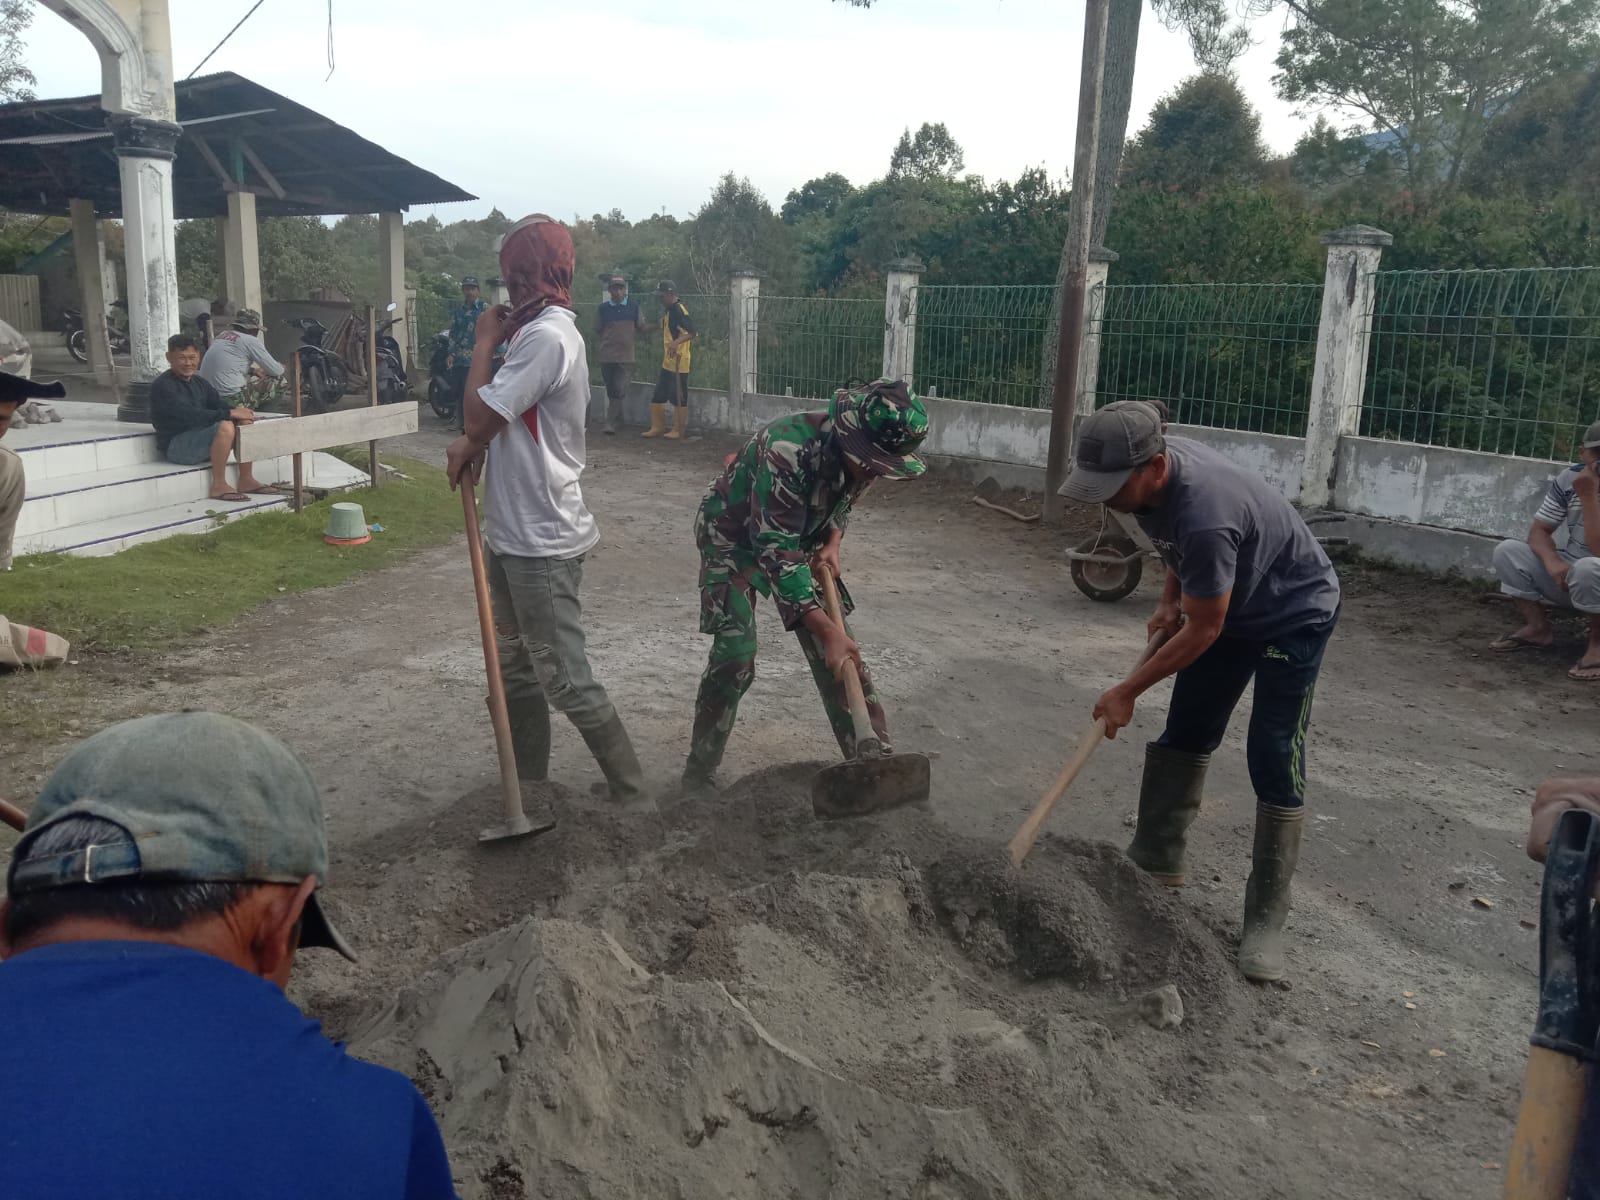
x=672, y=385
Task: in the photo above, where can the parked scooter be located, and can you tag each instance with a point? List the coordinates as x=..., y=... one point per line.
x=392, y=384
x=77, y=338
x=441, y=396
x=322, y=372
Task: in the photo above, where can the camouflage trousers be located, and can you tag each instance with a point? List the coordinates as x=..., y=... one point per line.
x=727, y=613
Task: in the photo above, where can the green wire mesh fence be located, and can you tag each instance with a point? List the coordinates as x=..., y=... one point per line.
x=428, y=317
x=982, y=343
x=1502, y=361
x=806, y=346
x=1227, y=355
x=708, y=358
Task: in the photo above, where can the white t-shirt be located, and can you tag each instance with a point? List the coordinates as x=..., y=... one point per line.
x=532, y=505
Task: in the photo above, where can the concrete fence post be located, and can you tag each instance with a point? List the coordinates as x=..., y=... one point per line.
x=1340, y=371
x=744, y=326
x=1094, y=309
x=900, y=320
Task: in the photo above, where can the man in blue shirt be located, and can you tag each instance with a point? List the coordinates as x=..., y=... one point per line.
x=168, y=874
x=464, y=334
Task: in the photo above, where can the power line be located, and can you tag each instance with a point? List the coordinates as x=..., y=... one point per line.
x=233, y=31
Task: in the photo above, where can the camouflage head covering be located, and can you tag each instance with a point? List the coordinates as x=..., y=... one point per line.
x=247, y=318
x=882, y=428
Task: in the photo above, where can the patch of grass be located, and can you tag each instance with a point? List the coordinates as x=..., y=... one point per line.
x=160, y=593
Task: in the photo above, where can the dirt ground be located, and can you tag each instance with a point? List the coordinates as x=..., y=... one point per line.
x=926, y=1024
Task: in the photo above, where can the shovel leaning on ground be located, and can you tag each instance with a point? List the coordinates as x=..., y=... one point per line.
x=1562, y=1048
x=1022, y=841
x=13, y=816
x=516, y=823
x=872, y=780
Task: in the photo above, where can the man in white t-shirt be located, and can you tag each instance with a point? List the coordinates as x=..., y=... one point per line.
x=528, y=424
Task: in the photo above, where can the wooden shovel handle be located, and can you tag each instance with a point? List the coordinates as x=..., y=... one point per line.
x=1022, y=841
x=852, y=680
x=1553, y=1091
x=13, y=816
x=510, y=787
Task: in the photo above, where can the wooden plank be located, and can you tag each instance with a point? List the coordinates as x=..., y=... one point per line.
x=261, y=169
x=229, y=184
x=283, y=436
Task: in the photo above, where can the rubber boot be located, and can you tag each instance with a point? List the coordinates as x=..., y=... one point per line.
x=680, y=419
x=530, y=737
x=697, y=777
x=658, y=420
x=1169, y=799
x=1266, y=895
x=613, y=750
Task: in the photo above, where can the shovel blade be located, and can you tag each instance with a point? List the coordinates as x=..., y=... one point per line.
x=868, y=785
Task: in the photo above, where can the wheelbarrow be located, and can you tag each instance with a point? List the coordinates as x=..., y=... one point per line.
x=1109, y=565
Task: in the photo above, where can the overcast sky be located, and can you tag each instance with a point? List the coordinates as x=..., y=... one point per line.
x=577, y=108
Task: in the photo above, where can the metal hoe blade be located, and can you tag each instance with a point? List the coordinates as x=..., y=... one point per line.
x=867, y=785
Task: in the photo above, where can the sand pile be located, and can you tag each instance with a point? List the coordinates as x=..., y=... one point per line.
x=741, y=1001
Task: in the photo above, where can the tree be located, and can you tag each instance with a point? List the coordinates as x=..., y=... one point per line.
x=1430, y=75
x=16, y=81
x=816, y=198
x=1546, y=142
x=735, y=228
x=929, y=154
x=1202, y=135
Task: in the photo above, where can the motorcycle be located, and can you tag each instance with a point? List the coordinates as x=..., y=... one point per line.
x=323, y=373
x=77, y=338
x=392, y=383
x=441, y=396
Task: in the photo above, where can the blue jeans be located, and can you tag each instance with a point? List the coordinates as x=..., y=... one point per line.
x=192, y=446
x=1285, y=669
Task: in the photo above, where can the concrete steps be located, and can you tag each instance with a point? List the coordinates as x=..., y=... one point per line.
x=97, y=486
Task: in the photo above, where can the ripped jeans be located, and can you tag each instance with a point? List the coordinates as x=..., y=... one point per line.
x=538, y=624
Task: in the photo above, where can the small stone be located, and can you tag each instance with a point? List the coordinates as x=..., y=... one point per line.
x=1382, y=1092
x=1162, y=1007
x=1410, y=1005
x=1436, y=1054
x=1409, y=995
x=1457, y=884
x=1483, y=902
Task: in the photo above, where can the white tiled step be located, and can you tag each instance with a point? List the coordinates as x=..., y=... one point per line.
x=118, y=533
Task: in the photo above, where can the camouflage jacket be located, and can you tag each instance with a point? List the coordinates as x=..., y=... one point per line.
x=464, y=328
x=775, y=504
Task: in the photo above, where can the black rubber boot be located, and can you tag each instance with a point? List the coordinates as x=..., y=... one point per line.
x=613, y=750
x=530, y=737
x=1169, y=798
x=1266, y=895
x=697, y=777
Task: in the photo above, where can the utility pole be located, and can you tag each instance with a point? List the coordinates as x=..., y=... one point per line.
x=1076, y=254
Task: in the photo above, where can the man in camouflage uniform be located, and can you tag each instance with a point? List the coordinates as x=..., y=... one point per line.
x=778, y=509
x=464, y=335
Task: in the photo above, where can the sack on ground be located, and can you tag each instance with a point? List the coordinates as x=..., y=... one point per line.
x=24, y=646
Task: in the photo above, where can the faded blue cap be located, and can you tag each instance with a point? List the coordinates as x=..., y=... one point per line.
x=205, y=798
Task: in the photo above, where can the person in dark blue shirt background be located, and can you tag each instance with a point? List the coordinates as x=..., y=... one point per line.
x=167, y=876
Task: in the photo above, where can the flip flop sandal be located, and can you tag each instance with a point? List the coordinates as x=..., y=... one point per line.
x=232, y=498
x=1583, y=674
x=1511, y=643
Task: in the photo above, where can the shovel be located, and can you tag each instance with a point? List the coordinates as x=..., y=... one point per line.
x=1563, y=1043
x=872, y=780
x=516, y=823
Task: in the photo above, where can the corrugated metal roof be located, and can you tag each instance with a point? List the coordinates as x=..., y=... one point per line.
x=238, y=135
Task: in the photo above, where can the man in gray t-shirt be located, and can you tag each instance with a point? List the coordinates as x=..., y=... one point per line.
x=1249, y=594
x=237, y=359
x=1557, y=564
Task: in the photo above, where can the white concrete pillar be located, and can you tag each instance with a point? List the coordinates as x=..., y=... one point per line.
x=1339, y=374
x=900, y=319
x=145, y=150
x=108, y=275
x=88, y=259
x=241, y=252
x=744, y=321
x=1094, y=309
x=392, y=266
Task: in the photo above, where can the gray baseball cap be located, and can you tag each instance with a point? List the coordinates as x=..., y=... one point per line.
x=1591, y=437
x=205, y=798
x=1111, y=443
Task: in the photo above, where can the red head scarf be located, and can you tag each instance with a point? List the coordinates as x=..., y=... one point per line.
x=536, y=261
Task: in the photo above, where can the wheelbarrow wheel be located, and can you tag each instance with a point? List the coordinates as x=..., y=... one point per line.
x=1107, y=582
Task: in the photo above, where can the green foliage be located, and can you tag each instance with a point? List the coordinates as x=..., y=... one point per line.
x=932, y=153
x=816, y=198
x=16, y=81
x=1204, y=134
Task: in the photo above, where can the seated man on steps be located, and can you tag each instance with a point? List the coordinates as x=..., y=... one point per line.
x=195, y=425
x=14, y=393
x=1558, y=563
